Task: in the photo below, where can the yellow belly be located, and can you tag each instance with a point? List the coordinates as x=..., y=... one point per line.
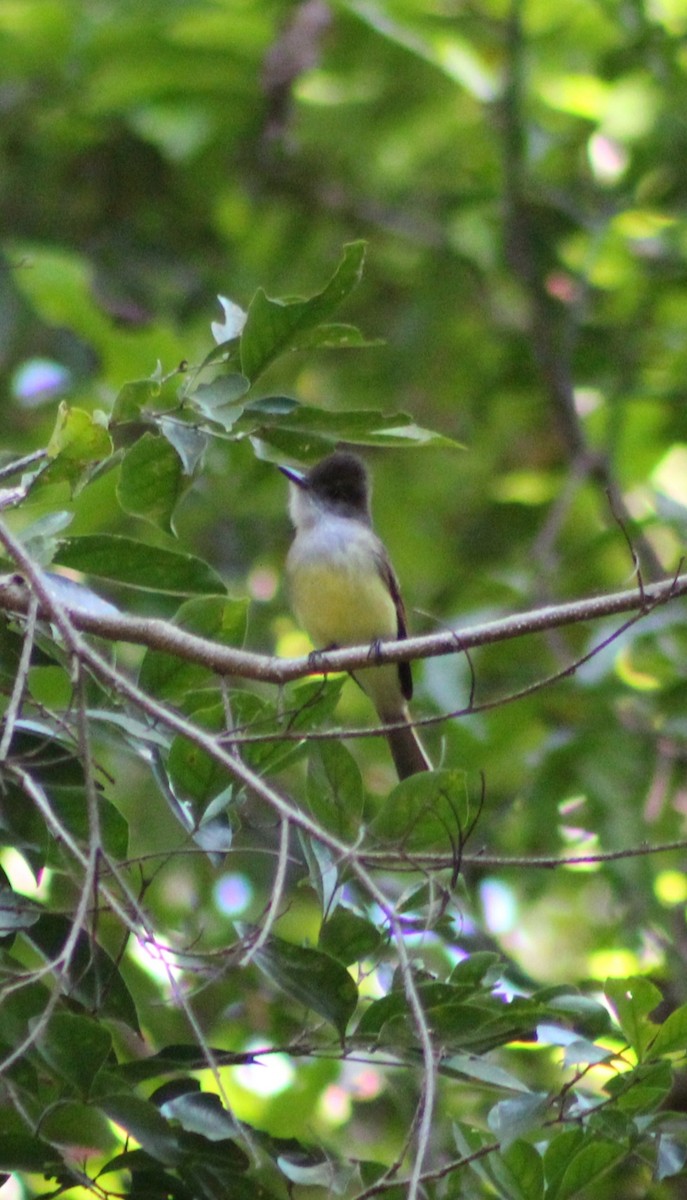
x=343, y=601
x=342, y=606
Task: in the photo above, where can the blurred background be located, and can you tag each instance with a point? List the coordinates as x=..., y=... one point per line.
x=519, y=171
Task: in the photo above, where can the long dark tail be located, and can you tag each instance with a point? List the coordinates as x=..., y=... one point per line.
x=407, y=752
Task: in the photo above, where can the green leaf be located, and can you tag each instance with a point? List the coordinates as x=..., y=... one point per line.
x=520, y=1171
x=305, y=433
x=513, y=1118
x=68, y=804
x=57, y=771
x=78, y=438
x=209, y=1175
x=218, y=401
x=150, y=480
x=642, y=1089
x=371, y=1172
x=178, y=1058
x=80, y=1128
x=335, y=789
x=349, y=937
x=11, y=645
x=21, y=1152
x=19, y=1007
x=469, y=1141
x=203, y=1113
x=195, y=774
x=214, y=617
x=312, y=701
x=40, y=537
x=132, y=397
x=586, y=1165
x=16, y=911
x=434, y=996
x=54, y=768
x=273, y=406
x=189, y=443
x=483, y=965
x=336, y=336
x=483, y=1071
x=310, y=1169
x=255, y=717
x=91, y=977
x=583, y=1051
x=428, y=811
x=323, y=870
x=222, y=1157
x=633, y=999
x=143, y=1121
x=311, y=978
x=75, y=1047
x=584, y=1012
x=275, y=326
x=138, y=565
x=558, y=1156
x=458, y=1018
x=672, y=1034
x=671, y=1156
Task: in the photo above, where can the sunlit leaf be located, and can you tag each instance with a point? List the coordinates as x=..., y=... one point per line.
x=633, y=1000
x=77, y=437
x=672, y=1035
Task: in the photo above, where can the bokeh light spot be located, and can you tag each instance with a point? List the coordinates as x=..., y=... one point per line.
x=670, y=887
x=267, y=1076
x=232, y=893
x=39, y=380
x=499, y=904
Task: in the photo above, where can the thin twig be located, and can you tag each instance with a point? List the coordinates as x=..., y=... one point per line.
x=20, y=464
x=276, y=896
x=19, y=680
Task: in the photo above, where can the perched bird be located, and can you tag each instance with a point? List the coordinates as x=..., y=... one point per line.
x=344, y=591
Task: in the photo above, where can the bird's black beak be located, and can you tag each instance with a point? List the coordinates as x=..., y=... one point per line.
x=297, y=477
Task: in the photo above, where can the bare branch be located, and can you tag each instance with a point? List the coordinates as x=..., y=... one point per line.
x=226, y=660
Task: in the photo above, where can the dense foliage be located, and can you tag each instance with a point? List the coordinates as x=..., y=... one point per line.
x=236, y=958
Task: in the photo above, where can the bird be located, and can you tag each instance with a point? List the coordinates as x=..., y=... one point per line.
x=344, y=591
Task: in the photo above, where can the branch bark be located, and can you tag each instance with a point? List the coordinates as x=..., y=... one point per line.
x=156, y=634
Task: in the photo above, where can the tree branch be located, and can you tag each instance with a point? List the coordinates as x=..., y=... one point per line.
x=156, y=634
